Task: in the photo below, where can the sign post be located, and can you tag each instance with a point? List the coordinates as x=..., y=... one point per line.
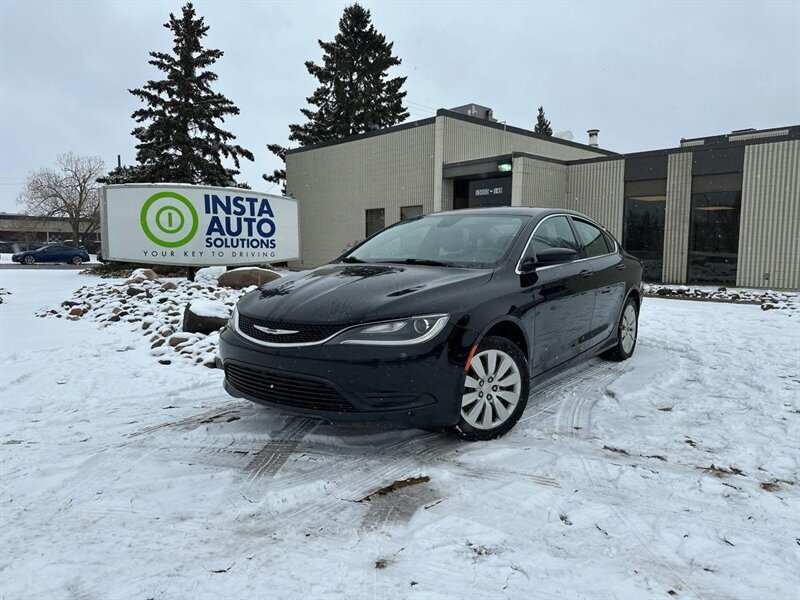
x=188, y=225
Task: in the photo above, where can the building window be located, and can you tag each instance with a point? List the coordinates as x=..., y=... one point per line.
x=410, y=212
x=714, y=237
x=643, y=231
x=376, y=220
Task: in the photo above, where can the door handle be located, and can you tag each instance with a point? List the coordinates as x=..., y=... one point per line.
x=585, y=273
x=620, y=266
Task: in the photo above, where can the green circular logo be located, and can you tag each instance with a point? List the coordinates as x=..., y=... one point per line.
x=168, y=213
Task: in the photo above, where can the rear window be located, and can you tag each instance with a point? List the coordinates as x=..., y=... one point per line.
x=592, y=238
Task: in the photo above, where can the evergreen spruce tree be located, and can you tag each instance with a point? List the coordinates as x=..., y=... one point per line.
x=179, y=139
x=542, y=124
x=355, y=93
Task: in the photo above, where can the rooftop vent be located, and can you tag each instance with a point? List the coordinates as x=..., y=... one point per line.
x=475, y=110
x=593, y=137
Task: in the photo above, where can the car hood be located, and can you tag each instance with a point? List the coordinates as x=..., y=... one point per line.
x=358, y=293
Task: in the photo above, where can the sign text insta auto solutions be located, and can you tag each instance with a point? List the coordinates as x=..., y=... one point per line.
x=181, y=224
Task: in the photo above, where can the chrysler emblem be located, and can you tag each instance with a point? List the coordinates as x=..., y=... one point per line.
x=271, y=331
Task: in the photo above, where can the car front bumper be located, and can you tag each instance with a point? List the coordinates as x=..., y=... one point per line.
x=415, y=385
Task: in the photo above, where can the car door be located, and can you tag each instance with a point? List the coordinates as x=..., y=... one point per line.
x=47, y=254
x=605, y=280
x=562, y=299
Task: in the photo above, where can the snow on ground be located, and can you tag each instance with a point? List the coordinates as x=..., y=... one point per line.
x=672, y=474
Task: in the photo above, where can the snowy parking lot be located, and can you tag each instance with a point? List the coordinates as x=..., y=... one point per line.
x=674, y=474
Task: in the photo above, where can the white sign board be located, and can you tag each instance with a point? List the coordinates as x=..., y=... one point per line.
x=179, y=224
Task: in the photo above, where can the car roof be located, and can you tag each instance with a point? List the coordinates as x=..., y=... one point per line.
x=518, y=211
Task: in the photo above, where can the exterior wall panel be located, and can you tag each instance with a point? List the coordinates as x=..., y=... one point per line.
x=540, y=183
x=336, y=184
x=769, y=236
x=677, y=218
x=596, y=189
x=468, y=141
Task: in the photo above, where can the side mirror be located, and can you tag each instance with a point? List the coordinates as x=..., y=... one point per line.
x=555, y=256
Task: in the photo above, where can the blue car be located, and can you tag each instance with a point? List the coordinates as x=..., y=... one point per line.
x=52, y=254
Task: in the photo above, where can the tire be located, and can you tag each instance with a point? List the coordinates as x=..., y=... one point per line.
x=491, y=408
x=627, y=331
x=29, y=260
x=77, y=260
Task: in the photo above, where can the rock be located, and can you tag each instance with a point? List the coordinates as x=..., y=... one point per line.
x=142, y=275
x=662, y=292
x=179, y=338
x=767, y=306
x=169, y=285
x=204, y=316
x=76, y=312
x=68, y=303
x=114, y=318
x=246, y=276
x=165, y=361
x=134, y=291
x=157, y=343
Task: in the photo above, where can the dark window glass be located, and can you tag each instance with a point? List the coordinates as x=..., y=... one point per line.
x=410, y=212
x=646, y=167
x=724, y=182
x=643, y=231
x=554, y=232
x=714, y=238
x=649, y=188
x=718, y=160
x=479, y=241
x=376, y=220
x=593, y=239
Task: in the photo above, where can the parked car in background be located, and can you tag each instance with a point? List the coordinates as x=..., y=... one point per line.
x=52, y=254
x=446, y=320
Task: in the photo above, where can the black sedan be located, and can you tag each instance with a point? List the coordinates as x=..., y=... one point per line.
x=52, y=254
x=445, y=320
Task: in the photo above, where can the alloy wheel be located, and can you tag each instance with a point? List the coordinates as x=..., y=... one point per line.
x=628, y=328
x=491, y=390
x=29, y=260
x=76, y=260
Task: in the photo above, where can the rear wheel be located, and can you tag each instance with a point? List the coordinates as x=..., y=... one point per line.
x=29, y=260
x=627, y=330
x=495, y=390
x=77, y=260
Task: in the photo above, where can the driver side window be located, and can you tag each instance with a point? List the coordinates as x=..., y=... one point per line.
x=554, y=232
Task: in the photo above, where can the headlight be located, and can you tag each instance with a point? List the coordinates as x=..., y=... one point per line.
x=234, y=317
x=413, y=330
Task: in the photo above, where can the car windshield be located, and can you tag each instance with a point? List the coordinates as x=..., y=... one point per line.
x=475, y=241
x=43, y=248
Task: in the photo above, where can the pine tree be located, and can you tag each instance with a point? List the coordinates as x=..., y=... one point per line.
x=179, y=140
x=542, y=124
x=355, y=94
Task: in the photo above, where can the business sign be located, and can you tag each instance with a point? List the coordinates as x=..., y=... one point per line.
x=490, y=192
x=180, y=224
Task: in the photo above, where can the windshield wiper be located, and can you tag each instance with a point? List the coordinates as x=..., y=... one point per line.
x=351, y=259
x=424, y=261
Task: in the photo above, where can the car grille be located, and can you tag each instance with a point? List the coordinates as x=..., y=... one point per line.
x=282, y=389
x=306, y=334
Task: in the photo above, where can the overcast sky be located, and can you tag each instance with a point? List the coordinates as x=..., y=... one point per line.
x=644, y=73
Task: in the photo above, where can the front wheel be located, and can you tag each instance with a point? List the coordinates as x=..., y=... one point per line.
x=627, y=330
x=29, y=260
x=495, y=391
x=77, y=260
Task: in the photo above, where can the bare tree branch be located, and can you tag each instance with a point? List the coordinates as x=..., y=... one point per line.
x=69, y=190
